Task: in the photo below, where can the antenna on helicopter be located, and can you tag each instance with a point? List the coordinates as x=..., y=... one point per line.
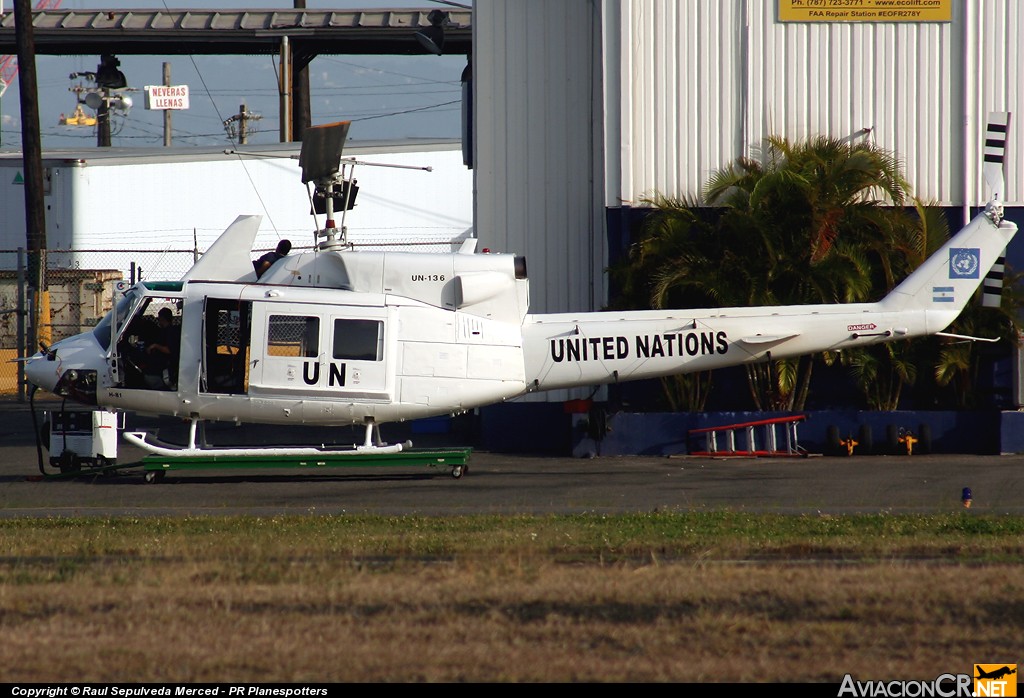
x=320, y=160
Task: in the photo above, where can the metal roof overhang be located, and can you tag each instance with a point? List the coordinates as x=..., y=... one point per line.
x=239, y=32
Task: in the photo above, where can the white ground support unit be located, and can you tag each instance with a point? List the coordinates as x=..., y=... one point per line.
x=83, y=436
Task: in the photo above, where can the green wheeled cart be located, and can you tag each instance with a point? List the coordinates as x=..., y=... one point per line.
x=455, y=459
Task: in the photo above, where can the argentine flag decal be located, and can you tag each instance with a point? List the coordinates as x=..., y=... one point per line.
x=942, y=294
x=964, y=262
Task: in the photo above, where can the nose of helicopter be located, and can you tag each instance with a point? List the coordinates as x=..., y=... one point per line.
x=69, y=368
x=42, y=370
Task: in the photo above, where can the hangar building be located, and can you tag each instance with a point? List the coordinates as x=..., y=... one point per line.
x=582, y=108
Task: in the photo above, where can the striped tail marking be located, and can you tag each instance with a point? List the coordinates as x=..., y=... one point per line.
x=992, y=286
x=995, y=151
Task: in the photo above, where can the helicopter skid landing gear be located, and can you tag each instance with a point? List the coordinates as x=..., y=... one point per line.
x=370, y=447
x=198, y=455
x=372, y=443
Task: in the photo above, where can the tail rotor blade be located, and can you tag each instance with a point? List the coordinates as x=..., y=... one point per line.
x=995, y=152
x=992, y=286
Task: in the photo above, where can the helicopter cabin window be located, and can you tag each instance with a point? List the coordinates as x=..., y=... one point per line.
x=358, y=340
x=290, y=335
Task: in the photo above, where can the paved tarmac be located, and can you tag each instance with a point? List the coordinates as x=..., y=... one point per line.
x=506, y=484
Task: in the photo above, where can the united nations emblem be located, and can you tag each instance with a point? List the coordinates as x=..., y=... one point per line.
x=964, y=262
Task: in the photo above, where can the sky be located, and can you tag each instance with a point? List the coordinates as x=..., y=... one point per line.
x=385, y=97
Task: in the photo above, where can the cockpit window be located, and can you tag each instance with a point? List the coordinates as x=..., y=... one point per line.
x=102, y=330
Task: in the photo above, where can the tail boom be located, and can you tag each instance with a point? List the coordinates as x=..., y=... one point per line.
x=570, y=350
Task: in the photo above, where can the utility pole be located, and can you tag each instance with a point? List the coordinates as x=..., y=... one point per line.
x=32, y=154
x=285, y=91
x=167, y=112
x=238, y=126
x=107, y=78
x=301, y=115
x=243, y=124
x=103, y=120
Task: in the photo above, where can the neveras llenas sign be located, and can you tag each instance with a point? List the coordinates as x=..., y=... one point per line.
x=166, y=96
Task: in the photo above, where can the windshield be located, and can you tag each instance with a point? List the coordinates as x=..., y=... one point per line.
x=102, y=330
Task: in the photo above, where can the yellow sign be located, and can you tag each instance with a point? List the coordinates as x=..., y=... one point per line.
x=865, y=10
x=995, y=680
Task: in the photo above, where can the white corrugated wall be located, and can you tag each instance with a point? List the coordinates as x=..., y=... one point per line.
x=701, y=82
x=538, y=145
x=581, y=105
x=679, y=86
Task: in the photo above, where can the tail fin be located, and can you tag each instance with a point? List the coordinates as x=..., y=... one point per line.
x=948, y=279
x=227, y=259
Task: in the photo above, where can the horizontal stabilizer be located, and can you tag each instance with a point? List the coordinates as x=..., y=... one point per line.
x=768, y=338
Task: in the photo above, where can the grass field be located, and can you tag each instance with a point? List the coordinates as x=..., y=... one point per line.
x=637, y=598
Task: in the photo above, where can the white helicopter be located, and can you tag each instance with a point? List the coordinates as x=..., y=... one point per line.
x=343, y=337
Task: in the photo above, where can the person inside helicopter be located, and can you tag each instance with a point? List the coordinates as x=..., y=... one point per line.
x=149, y=350
x=161, y=360
x=266, y=261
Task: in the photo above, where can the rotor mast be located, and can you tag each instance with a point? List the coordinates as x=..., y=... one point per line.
x=320, y=160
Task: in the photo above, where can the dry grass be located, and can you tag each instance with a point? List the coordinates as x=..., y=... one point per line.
x=640, y=599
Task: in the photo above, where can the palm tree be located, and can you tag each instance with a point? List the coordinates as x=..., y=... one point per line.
x=882, y=370
x=676, y=229
x=958, y=361
x=819, y=213
x=807, y=222
x=818, y=188
x=819, y=221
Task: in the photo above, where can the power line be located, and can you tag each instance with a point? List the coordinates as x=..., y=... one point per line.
x=331, y=59
x=407, y=111
x=343, y=89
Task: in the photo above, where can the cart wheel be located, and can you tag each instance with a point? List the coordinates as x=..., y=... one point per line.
x=866, y=442
x=68, y=462
x=458, y=471
x=833, y=447
x=924, y=438
x=892, y=437
x=103, y=463
x=154, y=476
